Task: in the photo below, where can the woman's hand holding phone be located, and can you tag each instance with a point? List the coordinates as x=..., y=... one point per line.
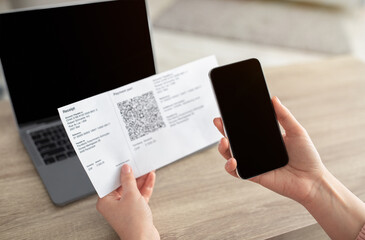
x=299, y=178
x=306, y=180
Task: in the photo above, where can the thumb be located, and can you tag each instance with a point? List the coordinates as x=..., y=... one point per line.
x=127, y=179
x=286, y=119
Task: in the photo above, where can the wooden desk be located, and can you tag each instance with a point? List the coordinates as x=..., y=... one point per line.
x=194, y=198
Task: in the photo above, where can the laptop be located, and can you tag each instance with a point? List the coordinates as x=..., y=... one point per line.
x=54, y=56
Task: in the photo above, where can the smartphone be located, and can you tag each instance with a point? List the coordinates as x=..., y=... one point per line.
x=249, y=118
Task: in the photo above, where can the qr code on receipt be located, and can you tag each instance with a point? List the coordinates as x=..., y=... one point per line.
x=141, y=115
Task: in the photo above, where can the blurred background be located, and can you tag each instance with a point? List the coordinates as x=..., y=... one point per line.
x=276, y=32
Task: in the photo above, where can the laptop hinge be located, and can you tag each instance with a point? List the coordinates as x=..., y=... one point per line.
x=40, y=122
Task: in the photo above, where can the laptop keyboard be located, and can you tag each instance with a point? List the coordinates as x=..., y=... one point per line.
x=53, y=144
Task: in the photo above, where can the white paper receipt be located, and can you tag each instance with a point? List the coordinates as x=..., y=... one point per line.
x=147, y=124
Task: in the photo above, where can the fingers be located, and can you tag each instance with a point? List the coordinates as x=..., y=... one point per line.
x=145, y=185
x=147, y=188
x=141, y=180
x=107, y=200
x=127, y=179
x=223, y=148
x=231, y=166
x=286, y=119
x=219, y=125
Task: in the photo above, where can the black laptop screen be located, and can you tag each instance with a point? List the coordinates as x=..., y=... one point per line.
x=56, y=56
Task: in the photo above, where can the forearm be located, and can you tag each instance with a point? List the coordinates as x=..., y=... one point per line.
x=340, y=213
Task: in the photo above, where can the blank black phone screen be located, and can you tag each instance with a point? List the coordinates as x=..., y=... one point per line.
x=249, y=118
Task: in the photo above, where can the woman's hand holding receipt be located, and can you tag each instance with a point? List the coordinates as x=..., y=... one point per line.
x=126, y=209
x=306, y=180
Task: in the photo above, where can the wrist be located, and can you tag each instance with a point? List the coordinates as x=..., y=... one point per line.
x=320, y=186
x=340, y=213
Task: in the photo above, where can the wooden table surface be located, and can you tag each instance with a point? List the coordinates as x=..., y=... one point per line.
x=194, y=198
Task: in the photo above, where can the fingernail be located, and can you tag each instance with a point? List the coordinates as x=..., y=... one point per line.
x=278, y=100
x=126, y=169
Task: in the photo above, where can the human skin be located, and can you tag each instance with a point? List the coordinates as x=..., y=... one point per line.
x=306, y=180
x=126, y=209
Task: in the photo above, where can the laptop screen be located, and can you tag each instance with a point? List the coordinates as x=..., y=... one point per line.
x=56, y=56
